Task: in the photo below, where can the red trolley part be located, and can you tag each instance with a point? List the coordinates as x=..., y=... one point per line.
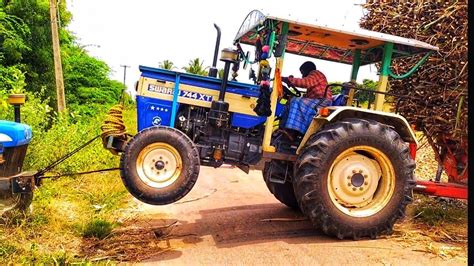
x=449, y=190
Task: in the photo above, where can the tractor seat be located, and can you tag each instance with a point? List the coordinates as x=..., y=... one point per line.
x=339, y=100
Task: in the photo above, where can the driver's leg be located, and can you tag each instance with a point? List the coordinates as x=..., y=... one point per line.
x=300, y=113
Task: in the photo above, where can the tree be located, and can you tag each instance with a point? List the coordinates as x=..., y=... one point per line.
x=365, y=96
x=195, y=66
x=362, y=96
x=166, y=64
x=335, y=89
x=86, y=79
x=37, y=62
x=26, y=58
x=13, y=33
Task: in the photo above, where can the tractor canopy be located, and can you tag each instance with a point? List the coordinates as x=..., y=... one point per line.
x=323, y=42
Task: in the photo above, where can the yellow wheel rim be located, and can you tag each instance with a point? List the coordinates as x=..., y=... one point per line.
x=159, y=165
x=361, y=181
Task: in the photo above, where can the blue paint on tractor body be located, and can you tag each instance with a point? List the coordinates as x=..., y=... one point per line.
x=20, y=134
x=152, y=111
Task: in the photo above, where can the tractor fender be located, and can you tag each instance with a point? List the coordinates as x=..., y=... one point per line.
x=336, y=113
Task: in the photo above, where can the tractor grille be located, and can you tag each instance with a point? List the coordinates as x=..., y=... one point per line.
x=13, y=161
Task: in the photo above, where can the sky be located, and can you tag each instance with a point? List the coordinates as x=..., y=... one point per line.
x=146, y=32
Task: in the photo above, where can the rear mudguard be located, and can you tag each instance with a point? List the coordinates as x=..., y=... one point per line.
x=336, y=113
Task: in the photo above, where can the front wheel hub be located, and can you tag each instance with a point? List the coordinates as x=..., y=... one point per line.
x=159, y=165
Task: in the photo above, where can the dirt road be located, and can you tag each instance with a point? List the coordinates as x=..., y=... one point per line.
x=231, y=218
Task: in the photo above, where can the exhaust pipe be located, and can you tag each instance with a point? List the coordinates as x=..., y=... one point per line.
x=213, y=70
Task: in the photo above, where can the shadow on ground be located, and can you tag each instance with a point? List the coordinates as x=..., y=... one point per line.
x=148, y=237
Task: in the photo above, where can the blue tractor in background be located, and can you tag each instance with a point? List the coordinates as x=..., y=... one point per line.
x=16, y=185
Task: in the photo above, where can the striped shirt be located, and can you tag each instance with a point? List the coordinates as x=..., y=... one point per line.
x=315, y=83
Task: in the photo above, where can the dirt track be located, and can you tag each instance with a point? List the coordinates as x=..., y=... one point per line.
x=231, y=218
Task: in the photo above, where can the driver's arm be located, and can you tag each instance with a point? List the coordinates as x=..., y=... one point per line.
x=302, y=82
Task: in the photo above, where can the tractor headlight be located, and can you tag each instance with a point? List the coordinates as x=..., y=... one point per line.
x=27, y=133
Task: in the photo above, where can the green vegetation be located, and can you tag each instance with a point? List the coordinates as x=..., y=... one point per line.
x=362, y=96
x=196, y=66
x=97, y=228
x=166, y=64
x=69, y=208
x=26, y=59
x=436, y=212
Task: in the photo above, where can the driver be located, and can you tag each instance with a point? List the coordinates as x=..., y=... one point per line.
x=297, y=119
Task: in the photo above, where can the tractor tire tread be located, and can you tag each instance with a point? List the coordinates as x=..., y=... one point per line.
x=189, y=155
x=311, y=166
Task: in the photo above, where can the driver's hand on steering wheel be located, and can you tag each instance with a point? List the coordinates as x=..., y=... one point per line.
x=286, y=79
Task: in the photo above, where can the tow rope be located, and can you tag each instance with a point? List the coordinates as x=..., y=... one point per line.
x=113, y=126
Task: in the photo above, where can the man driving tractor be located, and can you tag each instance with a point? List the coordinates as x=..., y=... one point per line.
x=298, y=117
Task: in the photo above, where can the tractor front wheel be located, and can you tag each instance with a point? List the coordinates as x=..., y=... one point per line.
x=354, y=179
x=159, y=165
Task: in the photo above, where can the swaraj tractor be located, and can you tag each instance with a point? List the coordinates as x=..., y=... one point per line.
x=352, y=173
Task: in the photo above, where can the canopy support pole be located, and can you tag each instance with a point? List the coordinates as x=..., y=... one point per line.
x=384, y=73
x=267, y=135
x=354, y=72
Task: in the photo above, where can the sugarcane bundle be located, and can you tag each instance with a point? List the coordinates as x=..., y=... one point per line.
x=438, y=105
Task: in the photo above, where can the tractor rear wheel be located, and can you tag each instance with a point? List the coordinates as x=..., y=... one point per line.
x=159, y=165
x=354, y=178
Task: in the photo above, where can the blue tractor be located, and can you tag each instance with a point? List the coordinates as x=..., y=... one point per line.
x=16, y=185
x=352, y=173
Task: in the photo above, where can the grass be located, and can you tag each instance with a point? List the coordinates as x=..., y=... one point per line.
x=436, y=212
x=436, y=226
x=68, y=210
x=97, y=228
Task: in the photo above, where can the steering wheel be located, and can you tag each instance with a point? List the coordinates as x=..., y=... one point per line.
x=295, y=92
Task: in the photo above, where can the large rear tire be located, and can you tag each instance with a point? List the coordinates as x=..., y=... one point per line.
x=354, y=179
x=159, y=165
